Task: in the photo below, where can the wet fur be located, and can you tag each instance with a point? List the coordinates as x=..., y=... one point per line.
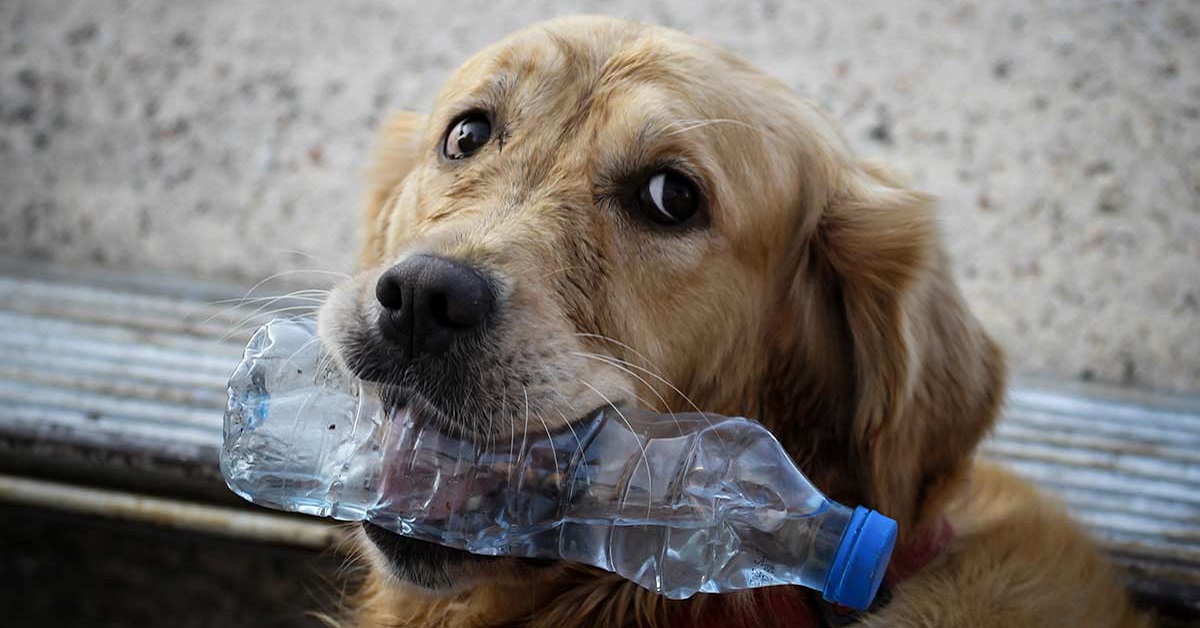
x=820, y=303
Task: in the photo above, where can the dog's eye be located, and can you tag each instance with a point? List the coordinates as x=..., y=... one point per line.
x=668, y=199
x=467, y=136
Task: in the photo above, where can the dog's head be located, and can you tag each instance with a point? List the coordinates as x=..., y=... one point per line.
x=600, y=211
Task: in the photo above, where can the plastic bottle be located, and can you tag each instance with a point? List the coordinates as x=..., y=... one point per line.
x=678, y=503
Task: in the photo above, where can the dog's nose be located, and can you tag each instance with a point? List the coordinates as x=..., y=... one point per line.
x=428, y=301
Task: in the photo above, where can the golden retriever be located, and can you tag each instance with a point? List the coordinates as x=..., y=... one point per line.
x=598, y=210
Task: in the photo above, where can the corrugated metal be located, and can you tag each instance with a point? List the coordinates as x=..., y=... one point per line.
x=120, y=381
x=1128, y=465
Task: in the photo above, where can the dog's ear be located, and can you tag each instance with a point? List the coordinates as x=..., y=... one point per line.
x=396, y=152
x=928, y=381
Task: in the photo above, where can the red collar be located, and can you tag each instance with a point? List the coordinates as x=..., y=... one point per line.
x=797, y=608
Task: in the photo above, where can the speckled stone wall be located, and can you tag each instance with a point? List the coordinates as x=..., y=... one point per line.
x=224, y=138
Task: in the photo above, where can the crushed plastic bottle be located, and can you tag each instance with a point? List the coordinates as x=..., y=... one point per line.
x=679, y=504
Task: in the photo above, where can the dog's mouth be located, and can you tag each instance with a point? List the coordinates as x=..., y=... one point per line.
x=428, y=565
x=399, y=401
x=433, y=567
x=478, y=391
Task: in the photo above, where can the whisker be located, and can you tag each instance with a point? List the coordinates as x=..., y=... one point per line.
x=512, y=428
x=293, y=272
x=309, y=343
x=567, y=402
x=557, y=470
x=524, y=438
x=641, y=445
x=351, y=552
x=490, y=444
x=703, y=415
x=298, y=295
x=277, y=275
x=241, y=300
x=578, y=443
x=644, y=370
x=265, y=306
x=289, y=297
x=242, y=325
x=619, y=344
x=616, y=363
x=689, y=125
x=562, y=270
x=326, y=361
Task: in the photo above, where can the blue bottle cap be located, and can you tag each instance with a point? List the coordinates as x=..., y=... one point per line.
x=861, y=558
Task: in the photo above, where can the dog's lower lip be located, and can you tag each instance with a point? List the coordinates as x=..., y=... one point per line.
x=413, y=549
x=399, y=548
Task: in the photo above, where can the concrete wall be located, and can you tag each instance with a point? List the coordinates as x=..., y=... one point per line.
x=224, y=138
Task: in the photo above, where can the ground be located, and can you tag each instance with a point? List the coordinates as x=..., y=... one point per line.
x=225, y=139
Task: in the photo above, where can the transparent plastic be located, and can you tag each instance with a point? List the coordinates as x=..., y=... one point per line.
x=678, y=503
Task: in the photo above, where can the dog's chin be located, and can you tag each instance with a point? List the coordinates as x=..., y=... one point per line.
x=440, y=570
x=427, y=566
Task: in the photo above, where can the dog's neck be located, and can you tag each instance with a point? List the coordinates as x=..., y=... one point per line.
x=584, y=597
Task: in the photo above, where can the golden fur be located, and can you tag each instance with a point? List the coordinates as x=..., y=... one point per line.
x=818, y=300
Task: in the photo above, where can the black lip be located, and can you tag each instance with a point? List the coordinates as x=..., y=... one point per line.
x=427, y=564
x=422, y=563
x=411, y=550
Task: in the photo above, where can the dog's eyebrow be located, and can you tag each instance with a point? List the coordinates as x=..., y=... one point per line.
x=490, y=95
x=654, y=145
x=656, y=130
x=499, y=87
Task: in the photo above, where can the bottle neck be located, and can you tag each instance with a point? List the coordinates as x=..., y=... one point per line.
x=799, y=552
x=825, y=537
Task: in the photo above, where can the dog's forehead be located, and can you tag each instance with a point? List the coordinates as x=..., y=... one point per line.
x=566, y=67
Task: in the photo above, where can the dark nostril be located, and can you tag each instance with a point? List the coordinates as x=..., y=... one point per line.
x=389, y=291
x=429, y=300
x=439, y=311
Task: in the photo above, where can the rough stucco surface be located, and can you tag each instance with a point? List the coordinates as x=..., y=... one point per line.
x=225, y=138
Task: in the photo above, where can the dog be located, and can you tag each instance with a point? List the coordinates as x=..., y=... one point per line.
x=600, y=211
